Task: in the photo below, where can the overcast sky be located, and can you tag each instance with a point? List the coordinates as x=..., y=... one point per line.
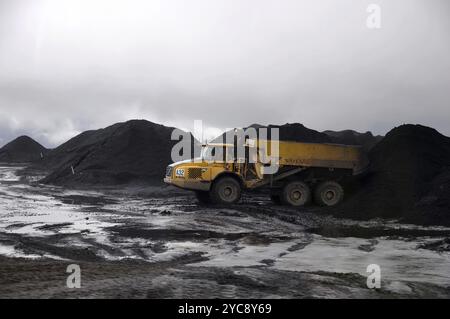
x=71, y=65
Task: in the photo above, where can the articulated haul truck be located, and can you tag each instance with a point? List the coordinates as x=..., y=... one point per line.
x=305, y=172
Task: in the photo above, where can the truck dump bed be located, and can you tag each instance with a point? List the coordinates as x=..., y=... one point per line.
x=322, y=155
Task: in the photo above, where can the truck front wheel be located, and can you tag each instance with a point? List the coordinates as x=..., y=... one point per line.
x=226, y=190
x=296, y=193
x=328, y=193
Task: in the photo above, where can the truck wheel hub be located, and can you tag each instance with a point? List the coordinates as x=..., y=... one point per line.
x=296, y=195
x=329, y=195
x=228, y=191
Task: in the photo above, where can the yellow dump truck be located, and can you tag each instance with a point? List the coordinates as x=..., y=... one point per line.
x=306, y=172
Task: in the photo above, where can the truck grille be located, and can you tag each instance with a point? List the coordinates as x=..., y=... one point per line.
x=195, y=172
x=169, y=170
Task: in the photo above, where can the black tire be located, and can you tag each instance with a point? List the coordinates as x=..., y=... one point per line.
x=296, y=193
x=203, y=197
x=226, y=190
x=328, y=193
x=275, y=198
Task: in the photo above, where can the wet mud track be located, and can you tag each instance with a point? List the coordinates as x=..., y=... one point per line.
x=159, y=243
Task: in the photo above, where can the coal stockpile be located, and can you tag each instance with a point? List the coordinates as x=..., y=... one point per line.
x=295, y=132
x=22, y=150
x=408, y=178
x=434, y=207
x=288, y=132
x=137, y=151
x=299, y=133
x=349, y=137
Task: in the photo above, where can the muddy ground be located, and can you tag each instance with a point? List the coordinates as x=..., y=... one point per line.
x=155, y=242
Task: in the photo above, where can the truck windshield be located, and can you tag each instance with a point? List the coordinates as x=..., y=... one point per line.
x=213, y=153
x=208, y=153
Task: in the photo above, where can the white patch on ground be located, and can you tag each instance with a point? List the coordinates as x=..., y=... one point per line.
x=399, y=260
x=19, y=204
x=250, y=255
x=11, y=251
x=35, y=217
x=8, y=174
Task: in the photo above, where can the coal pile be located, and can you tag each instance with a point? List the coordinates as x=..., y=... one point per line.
x=22, y=150
x=434, y=207
x=349, y=137
x=408, y=178
x=137, y=151
x=295, y=132
x=299, y=133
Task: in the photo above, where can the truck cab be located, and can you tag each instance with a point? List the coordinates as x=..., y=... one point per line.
x=199, y=174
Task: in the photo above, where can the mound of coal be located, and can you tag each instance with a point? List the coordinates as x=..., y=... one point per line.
x=289, y=132
x=137, y=151
x=408, y=178
x=434, y=207
x=299, y=133
x=349, y=137
x=22, y=150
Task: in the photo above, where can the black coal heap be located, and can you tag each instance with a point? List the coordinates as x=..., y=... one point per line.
x=409, y=178
x=22, y=150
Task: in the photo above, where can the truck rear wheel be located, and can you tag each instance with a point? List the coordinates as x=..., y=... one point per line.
x=203, y=197
x=296, y=193
x=328, y=193
x=226, y=190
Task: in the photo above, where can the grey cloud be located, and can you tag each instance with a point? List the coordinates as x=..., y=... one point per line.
x=67, y=66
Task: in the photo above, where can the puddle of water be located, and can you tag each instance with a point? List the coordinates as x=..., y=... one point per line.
x=36, y=216
x=21, y=204
x=11, y=251
x=399, y=260
x=246, y=256
x=8, y=174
